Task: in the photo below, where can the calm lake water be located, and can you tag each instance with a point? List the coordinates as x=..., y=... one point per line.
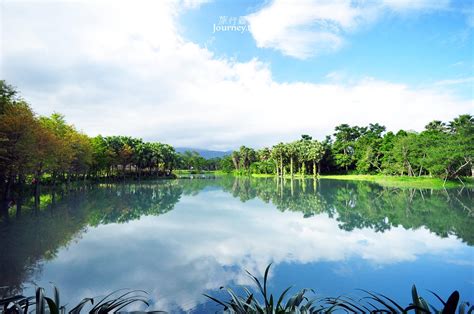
x=178, y=239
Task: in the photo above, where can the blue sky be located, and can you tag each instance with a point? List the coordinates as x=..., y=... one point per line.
x=411, y=47
x=302, y=67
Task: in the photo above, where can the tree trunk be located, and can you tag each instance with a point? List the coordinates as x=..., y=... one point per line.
x=314, y=168
x=282, y=173
x=291, y=166
x=345, y=154
x=4, y=209
x=19, y=200
x=2, y=182
x=8, y=187
x=37, y=191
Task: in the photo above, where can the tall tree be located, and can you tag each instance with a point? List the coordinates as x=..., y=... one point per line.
x=292, y=153
x=278, y=155
x=343, y=147
x=367, y=147
x=315, y=154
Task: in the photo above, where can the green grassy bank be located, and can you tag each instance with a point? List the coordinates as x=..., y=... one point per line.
x=389, y=181
x=404, y=181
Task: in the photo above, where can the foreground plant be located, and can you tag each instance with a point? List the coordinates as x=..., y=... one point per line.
x=264, y=302
x=42, y=304
x=300, y=303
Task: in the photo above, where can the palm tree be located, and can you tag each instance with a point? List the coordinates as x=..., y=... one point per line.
x=236, y=159
x=315, y=154
x=464, y=121
x=436, y=125
x=292, y=152
x=303, y=147
x=278, y=154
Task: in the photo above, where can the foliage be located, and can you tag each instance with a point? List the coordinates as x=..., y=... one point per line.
x=192, y=160
x=43, y=304
x=300, y=302
x=34, y=149
x=442, y=150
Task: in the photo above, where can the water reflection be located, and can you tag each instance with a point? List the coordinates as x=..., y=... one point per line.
x=366, y=205
x=99, y=238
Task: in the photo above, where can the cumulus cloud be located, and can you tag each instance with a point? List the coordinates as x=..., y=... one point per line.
x=305, y=28
x=123, y=68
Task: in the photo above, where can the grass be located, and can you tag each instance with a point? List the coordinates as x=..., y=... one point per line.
x=404, y=181
x=384, y=180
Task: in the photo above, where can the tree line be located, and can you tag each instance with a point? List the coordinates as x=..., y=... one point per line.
x=442, y=150
x=38, y=148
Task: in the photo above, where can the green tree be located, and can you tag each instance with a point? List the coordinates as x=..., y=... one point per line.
x=292, y=153
x=236, y=160
x=278, y=155
x=246, y=157
x=344, y=145
x=226, y=164
x=368, y=153
x=437, y=126
x=315, y=154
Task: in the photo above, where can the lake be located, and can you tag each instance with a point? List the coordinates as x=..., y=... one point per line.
x=178, y=239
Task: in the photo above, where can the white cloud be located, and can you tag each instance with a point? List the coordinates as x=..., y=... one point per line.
x=464, y=80
x=123, y=68
x=194, y=3
x=410, y=5
x=305, y=28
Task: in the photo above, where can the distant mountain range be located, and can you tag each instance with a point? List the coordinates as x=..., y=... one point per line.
x=206, y=153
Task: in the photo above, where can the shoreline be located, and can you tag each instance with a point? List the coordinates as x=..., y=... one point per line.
x=383, y=180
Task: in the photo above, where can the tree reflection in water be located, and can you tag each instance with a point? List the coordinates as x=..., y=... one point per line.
x=32, y=233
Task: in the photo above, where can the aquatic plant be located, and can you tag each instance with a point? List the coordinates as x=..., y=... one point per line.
x=300, y=302
x=41, y=303
x=261, y=302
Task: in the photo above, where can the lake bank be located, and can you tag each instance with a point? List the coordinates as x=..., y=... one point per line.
x=404, y=181
x=388, y=181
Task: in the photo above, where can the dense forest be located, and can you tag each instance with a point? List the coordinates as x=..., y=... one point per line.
x=35, y=149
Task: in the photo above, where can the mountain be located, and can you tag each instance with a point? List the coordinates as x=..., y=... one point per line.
x=206, y=153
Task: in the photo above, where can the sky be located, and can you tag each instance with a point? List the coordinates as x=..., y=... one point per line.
x=219, y=74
